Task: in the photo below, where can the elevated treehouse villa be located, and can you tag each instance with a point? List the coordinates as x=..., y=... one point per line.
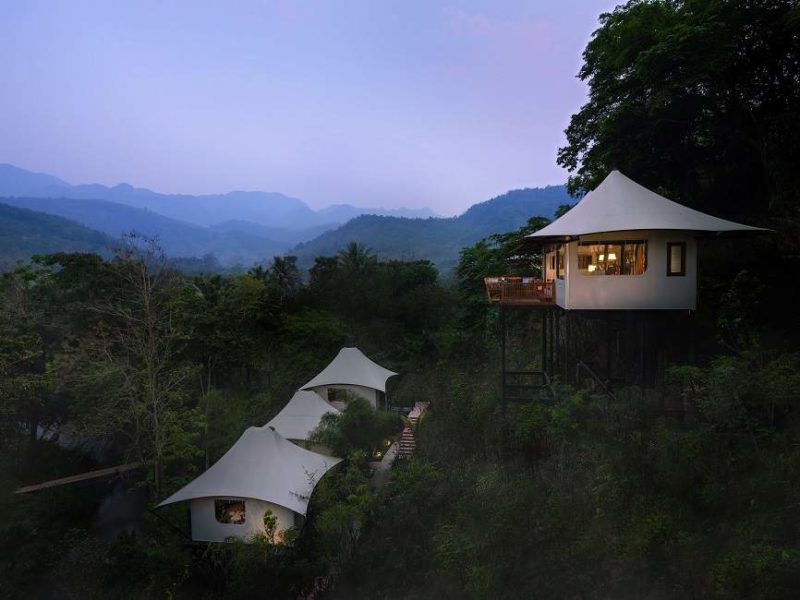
x=618, y=279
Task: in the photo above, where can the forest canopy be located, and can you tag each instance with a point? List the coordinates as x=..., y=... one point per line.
x=686, y=490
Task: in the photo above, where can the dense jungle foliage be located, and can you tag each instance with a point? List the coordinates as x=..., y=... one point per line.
x=574, y=494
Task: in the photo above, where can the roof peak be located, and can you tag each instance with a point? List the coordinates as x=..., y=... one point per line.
x=619, y=203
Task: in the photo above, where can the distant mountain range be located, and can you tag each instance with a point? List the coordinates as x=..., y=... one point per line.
x=177, y=238
x=243, y=228
x=264, y=208
x=238, y=228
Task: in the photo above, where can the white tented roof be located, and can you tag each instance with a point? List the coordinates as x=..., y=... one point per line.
x=351, y=367
x=301, y=415
x=262, y=465
x=621, y=204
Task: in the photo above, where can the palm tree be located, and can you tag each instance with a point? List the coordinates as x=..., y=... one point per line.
x=285, y=275
x=356, y=257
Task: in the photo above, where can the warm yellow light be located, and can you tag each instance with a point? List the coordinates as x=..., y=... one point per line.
x=602, y=257
x=612, y=256
x=592, y=268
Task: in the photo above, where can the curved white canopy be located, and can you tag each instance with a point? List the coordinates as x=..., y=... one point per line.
x=301, y=415
x=262, y=465
x=351, y=367
x=621, y=204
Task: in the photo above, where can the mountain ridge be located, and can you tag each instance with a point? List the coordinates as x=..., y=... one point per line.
x=437, y=239
x=243, y=242
x=177, y=238
x=265, y=208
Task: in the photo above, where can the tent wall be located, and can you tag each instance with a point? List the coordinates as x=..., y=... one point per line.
x=653, y=290
x=368, y=394
x=206, y=528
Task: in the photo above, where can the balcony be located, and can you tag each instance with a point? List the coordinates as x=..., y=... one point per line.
x=520, y=291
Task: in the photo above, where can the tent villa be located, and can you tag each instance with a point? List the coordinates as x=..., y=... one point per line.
x=622, y=247
x=351, y=371
x=300, y=417
x=618, y=280
x=262, y=472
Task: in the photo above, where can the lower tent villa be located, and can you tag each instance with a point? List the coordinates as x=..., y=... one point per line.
x=351, y=372
x=262, y=474
x=263, y=484
x=300, y=417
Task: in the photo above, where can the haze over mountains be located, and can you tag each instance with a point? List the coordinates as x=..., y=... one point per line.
x=238, y=227
x=264, y=208
x=244, y=228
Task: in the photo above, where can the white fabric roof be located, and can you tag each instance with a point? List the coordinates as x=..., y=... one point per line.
x=262, y=465
x=621, y=204
x=353, y=368
x=301, y=415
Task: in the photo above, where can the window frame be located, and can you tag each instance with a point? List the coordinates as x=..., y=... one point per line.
x=682, y=272
x=229, y=501
x=621, y=244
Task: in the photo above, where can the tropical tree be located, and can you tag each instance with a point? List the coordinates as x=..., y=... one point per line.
x=356, y=257
x=284, y=276
x=28, y=384
x=130, y=381
x=696, y=99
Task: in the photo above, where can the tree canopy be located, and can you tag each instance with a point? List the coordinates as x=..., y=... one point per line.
x=699, y=100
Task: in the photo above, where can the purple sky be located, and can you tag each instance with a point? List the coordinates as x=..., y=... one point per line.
x=375, y=103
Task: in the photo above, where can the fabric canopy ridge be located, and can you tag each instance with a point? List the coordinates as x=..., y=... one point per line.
x=301, y=415
x=262, y=465
x=621, y=204
x=351, y=367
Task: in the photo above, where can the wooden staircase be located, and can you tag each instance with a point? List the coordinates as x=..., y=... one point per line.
x=408, y=444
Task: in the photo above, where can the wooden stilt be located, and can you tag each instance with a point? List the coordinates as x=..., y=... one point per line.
x=503, y=355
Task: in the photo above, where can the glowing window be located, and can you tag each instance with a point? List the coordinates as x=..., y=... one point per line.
x=229, y=511
x=627, y=257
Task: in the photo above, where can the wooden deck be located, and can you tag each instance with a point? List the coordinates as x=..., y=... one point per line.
x=520, y=291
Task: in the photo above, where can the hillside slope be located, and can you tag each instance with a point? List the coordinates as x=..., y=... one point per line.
x=176, y=237
x=26, y=232
x=437, y=239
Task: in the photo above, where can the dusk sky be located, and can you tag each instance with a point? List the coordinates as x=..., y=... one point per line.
x=412, y=103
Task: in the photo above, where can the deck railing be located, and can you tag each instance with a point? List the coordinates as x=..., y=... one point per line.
x=519, y=290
